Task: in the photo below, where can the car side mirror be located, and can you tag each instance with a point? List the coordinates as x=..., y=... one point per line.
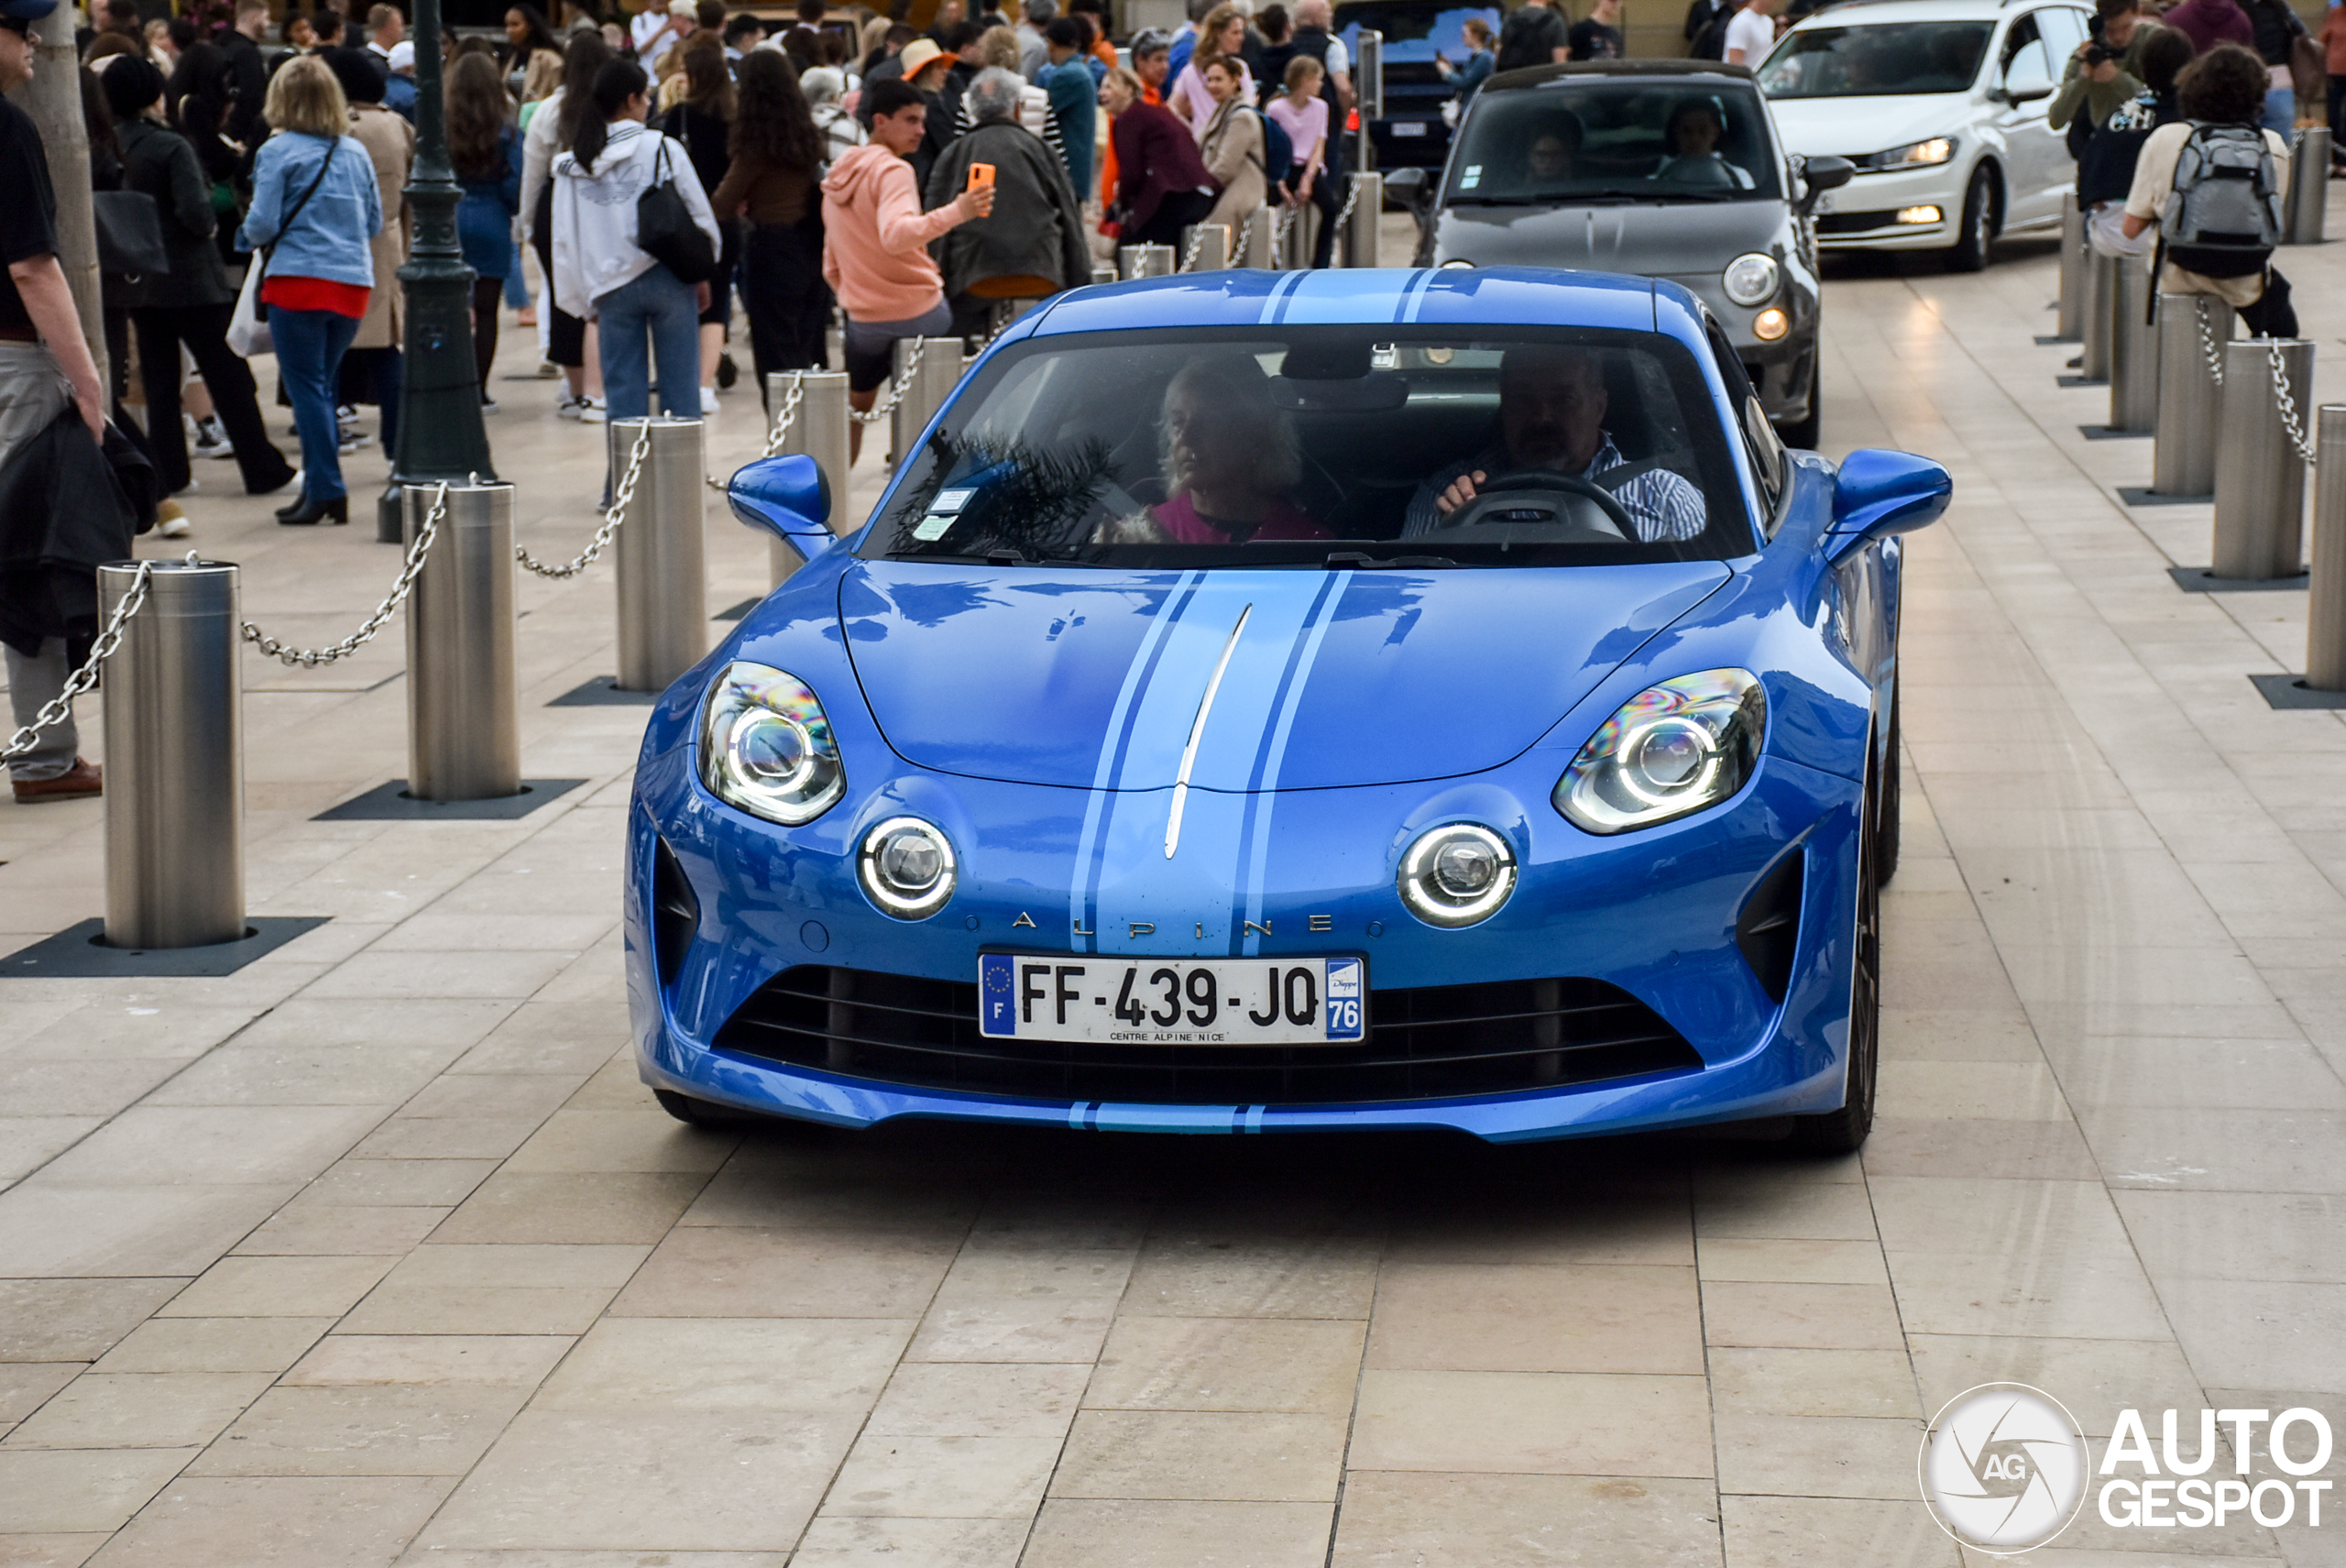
x=786, y=497
x=1409, y=186
x=1821, y=174
x=1880, y=493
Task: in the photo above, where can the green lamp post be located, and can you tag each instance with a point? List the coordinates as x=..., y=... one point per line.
x=442, y=433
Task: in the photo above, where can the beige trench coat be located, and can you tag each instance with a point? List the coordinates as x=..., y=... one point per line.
x=389, y=140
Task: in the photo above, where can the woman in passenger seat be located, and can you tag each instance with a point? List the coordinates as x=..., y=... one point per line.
x=1230, y=462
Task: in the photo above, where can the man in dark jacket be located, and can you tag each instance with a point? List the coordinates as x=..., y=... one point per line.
x=1532, y=35
x=1033, y=244
x=248, y=73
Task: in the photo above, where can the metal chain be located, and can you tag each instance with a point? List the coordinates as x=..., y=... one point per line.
x=774, y=437
x=310, y=658
x=2290, y=420
x=612, y=520
x=1245, y=232
x=898, y=386
x=1344, y=215
x=1190, y=254
x=1287, y=217
x=2208, y=341
x=54, y=712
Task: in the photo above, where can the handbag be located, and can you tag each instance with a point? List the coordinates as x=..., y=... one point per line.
x=130, y=233
x=248, y=322
x=665, y=229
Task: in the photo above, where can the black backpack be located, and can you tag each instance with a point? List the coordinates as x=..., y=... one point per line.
x=1711, y=42
x=1530, y=36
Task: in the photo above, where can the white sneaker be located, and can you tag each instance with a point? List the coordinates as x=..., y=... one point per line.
x=708, y=400
x=211, y=440
x=568, y=407
x=171, y=521
x=593, y=411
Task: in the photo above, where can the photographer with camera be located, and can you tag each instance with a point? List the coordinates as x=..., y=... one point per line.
x=2105, y=71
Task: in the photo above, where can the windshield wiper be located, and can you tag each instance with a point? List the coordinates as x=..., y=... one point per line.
x=1355, y=561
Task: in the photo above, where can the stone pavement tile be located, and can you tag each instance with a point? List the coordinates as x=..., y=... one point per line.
x=1917, y=1035
x=147, y=1231
x=28, y=1143
x=1202, y=1456
x=1623, y=1228
x=2062, y=1556
x=643, y=1138
x=215, y=1344
x=25, y=1385
x=2108, y=1070
x=1799, y=1532
x=1791, y=1262
x=68, y=1491
x=2052, y=1295
x=1818, y=1456
x=943, y=1478
x=443, y=1557
x=748, y=1192
x=1779, y=1206
x=1951, y=1214
x=2261, y=1333
x=1801, y=1317
x=447, y=1138
x=433, y=933
x=318, y=1231
x=1012, y=1220
x=646, y=1480
x=712, y=1271
x=1977, y=1147
x=141, y=1410
x=1778, y=1382
x=113, y=1031
x=278, y=1287
x=279, y=1522
x=2093, y=1379
x=1022, y=1307
x=1197, y=1275
x=48, y=1551
x=364, y=1430
x=1306, y=1365
x=385, y=976
x=514, y=1290
x=307, y=1074
x=1081, y=1532
x=1972, y=1091
x=950, y=1399
x=727, y=1363
x=880, y=1543
x=213, y=1145
x=433, y=1022
x=1532, y=1422
x=89, y=1087
x=456, y=1093
x=2242, y=1151
x=2238, y=1235
x=394, y=1183
x=572, y=1206
x=75, y=1319
x=548, y=1034
x=519, y=1361
x=1486, y=1318
x=1525, y=1521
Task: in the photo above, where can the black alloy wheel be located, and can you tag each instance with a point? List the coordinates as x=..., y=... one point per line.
x=1886, y=824
x=1844, y=1130
x=1972, y=246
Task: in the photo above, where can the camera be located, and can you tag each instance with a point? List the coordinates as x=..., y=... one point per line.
x=2098, y=53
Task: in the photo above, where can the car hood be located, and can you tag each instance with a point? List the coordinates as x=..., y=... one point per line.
x=1093, y=679
x=1851, y=128
x=1650, y=241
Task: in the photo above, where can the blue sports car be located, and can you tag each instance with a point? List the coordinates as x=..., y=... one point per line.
x=1262, y=702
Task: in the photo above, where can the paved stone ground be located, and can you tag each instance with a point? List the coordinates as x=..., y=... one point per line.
x=377, y=1252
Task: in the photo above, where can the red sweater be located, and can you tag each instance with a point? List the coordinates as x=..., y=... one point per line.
x=1156, y=156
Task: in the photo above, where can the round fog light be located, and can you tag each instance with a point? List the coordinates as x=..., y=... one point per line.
x=906, y=868
x=1770, y=324
x=1456, y=876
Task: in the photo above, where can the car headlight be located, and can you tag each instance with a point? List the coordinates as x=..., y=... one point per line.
x=1671, y=750
x=906, y=867
x=1751, y=280
x=1922, y=154
x=1457, y=874
x=766, y=747
x=1458, y=262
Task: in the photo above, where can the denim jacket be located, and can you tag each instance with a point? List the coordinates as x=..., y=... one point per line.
x=329, y=239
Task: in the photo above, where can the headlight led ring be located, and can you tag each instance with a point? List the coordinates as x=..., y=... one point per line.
x=766, y=747
x=1676, y=748
x=906, y=867
x=1456, y=874
x=1751, y=279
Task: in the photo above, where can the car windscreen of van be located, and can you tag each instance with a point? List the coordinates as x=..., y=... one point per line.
x=1588, y=140
x=1879, y=60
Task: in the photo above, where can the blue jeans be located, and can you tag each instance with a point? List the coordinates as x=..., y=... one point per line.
x=2280, y=110
x=310, y=345
x=517, y=287
x=661, y=306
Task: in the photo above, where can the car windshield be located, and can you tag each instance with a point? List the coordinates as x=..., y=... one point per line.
x=1414, y=29
x=1592, y=140
x=1326, y=446
x=1879, y=60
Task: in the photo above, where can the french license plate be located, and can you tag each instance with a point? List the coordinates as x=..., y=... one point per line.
x=1172, y=1002
x=1407, y=127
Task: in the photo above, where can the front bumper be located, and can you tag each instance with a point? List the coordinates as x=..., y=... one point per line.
x=1863, y=214
x=1652, y=912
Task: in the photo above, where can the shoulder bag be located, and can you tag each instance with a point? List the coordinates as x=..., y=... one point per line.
x=249, y=323
x=665, y=229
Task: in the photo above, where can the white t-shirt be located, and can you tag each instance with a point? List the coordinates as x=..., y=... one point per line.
x=1340, y=59
x=1752, y=33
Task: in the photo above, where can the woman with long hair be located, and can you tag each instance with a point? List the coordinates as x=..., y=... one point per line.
x=553, y=128
x=1222, y=35
x=701, y=121
x=487, y=153
x=531, y=52
x=316, y=210
x=777, y=156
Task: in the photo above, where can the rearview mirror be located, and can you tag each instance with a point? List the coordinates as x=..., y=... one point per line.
x=1409, y=186
x=786, y=497
x=1819, y=174
x=1880, y=493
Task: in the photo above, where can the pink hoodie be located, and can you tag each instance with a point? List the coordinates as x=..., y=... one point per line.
x=875, y=238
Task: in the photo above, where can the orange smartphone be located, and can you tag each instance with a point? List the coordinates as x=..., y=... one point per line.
x=980, y=176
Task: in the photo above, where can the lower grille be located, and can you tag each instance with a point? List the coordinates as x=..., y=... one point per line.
x=1862, y=222
x=1427, y=1043
x=675, y=913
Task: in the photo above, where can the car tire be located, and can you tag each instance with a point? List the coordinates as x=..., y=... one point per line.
x=1844, y=1130
x=1886, y=825
x=1804, y=431
x=1977, y=237
x=691, y=1111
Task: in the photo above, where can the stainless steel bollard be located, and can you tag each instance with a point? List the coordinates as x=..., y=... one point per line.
x=464, y=724
x=2133, y=349
x=2260, y=479
x=932, y=383
x=663, y=590
x=2183, y=439
x=2325, y=614
x=1212, y=241
x=1145, y=261
x=2308, y=205
x=2073, y=268
x=1360, y=230
x=175, y=760
x=1102, y=273
x=818, y=429
x=1261, y=248
x=2101, y=282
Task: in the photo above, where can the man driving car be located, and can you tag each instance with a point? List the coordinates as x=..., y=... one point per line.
x=1552, y=418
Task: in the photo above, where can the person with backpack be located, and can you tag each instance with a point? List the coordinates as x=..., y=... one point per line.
x=1710, y=42
x=1230, y=142
x=1532, y=35
x=2108, y=153
x=2214, y=184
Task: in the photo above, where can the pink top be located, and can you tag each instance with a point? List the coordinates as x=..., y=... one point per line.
x=1306, y=128
x=875, y=238
x=1187, y=97
x=1180, y=518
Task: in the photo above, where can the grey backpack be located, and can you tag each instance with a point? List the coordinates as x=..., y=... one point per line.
x=2223, y=217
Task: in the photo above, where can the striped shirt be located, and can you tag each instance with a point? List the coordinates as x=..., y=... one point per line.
x=1662, y=504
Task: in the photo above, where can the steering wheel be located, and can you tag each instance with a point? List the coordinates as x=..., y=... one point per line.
x=1492, y=496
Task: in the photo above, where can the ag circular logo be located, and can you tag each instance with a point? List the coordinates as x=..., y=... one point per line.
x=2003, y=1467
